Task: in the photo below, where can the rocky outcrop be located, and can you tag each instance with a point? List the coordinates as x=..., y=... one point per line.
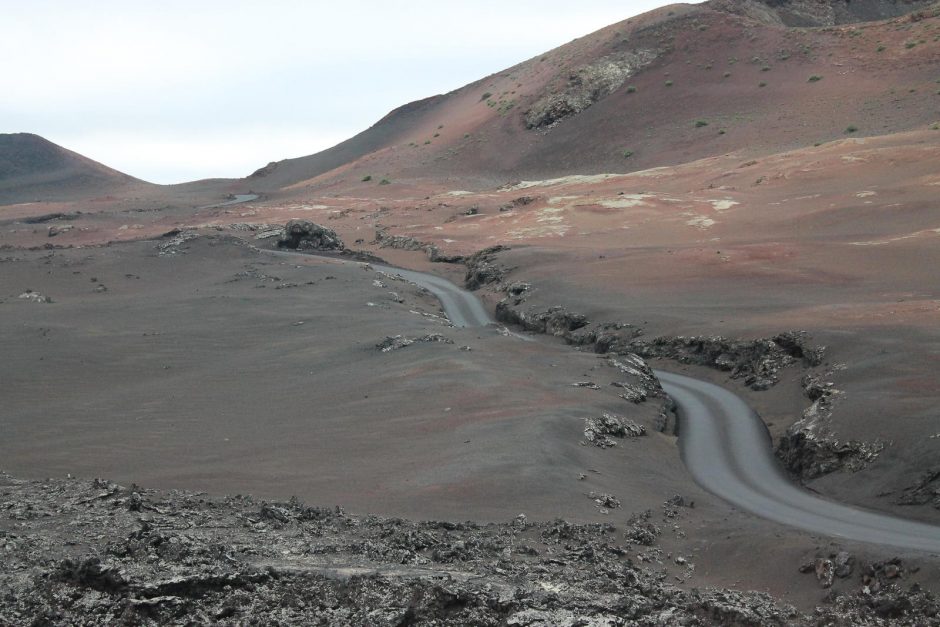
x=601, y=431
x=756, y=362
x=305, y=235
x=483, y=269
x=809, y=449
x=801, y=13
x=924, y=491
x=403, y=242
x=586, y=86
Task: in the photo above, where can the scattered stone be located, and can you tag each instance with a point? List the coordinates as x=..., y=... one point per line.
x=34, y=297
x=601, y=431
x=390, y=343
x=586, y=384
x=606, y=501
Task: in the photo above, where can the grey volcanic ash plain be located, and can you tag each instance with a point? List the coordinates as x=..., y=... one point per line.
x=202, y=424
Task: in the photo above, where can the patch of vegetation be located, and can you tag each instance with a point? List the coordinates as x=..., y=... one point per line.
x=727, y=74
x=701, y=123
x=440, y=126
x=385, y=182
x=367, y=178
x=627, y=154
x=851, y=128
x=437, y=134
x=910, y=44
x=722, y=131
x=485, y=96
x=815, y=78
x=881, y=48
x=427, y=141
x=466, y=135
x=765, y=68
x=631, y=89
x=762, y=84
x=669, y=83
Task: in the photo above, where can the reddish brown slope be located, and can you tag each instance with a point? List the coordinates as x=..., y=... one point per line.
x=33, y=168
x=747, y=79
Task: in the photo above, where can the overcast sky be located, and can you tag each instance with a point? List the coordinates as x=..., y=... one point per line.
x=172, y=91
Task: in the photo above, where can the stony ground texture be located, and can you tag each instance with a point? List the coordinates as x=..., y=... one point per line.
x=85, y=552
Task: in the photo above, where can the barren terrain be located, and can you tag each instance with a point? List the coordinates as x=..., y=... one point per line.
x=746, y=197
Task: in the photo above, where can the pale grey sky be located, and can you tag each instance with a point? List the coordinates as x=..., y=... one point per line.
x=175, y=90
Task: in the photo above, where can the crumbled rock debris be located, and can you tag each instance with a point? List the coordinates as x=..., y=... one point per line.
x=391, y=343
x=601, y=431
x=175, y=242
x=82, y=552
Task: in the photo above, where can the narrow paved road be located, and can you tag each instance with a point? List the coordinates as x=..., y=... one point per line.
x=727, y=449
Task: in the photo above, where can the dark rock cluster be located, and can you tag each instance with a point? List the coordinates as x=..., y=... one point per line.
x=92, y=553
x=305, y=235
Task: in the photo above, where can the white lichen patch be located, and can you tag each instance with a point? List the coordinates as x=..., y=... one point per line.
x=882, y=242
x=564, y=180
x=626, y=201
x=699, y=221
x=557, y=200
x=723, y=204
x=865, y=194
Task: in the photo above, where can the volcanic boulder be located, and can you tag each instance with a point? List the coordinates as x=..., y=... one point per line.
x=304, y=235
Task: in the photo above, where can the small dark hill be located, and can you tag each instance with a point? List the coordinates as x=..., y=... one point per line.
x=33, y=168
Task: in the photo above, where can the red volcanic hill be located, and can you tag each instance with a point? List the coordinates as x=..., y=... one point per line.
x=33, y=168
x=673, y=85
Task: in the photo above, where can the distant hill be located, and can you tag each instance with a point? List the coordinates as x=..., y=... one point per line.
x=33, y=168
x=676, y=84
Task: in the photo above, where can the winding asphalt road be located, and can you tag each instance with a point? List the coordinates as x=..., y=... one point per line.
x=727, y=449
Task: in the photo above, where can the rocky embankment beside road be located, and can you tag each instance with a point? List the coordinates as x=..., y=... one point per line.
x=92, y=552
x=808, y=449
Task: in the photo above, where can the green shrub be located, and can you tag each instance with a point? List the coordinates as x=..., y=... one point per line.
x=427, y=141
x=815, y=78
x=668, y=83
x=631, y=89
x=367, y=178
x=385, y=182
x=910, y=44
x=722, y=131
x=851, y=128
x=881, y=48
x=485, y=96
x=627, y=154
x=762, y=84
x=701, y=123
x=727, y=74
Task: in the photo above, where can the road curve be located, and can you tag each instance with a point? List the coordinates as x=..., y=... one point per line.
x=727, y=449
